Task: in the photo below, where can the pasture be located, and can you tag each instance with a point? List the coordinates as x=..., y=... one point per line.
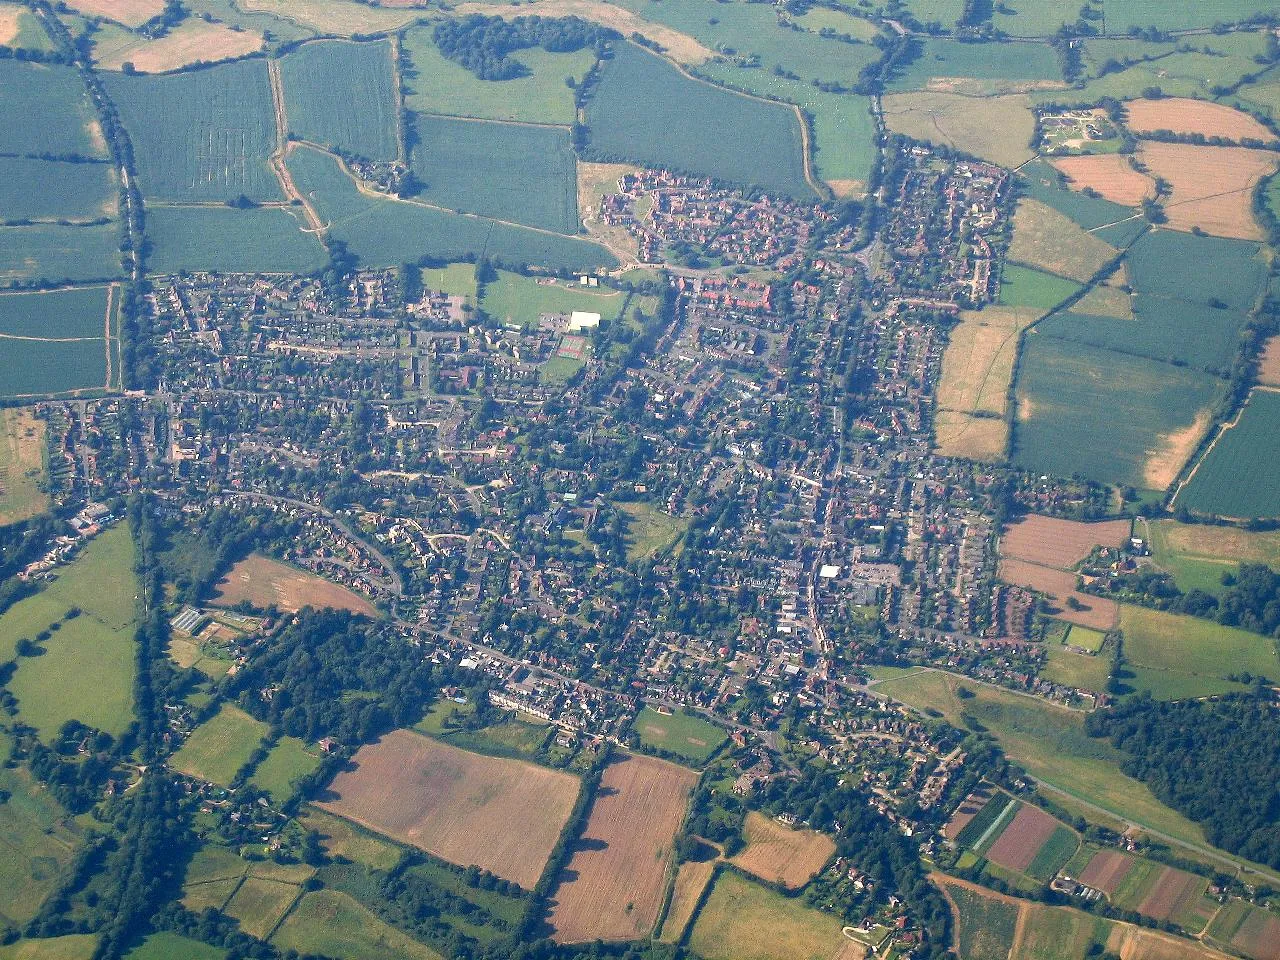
x=219, y=134
x=1109, y=174
x=70, y=946
x=55, y=254
x=780, y=854
x=287, y=761
x=220, y=746
x=330, y=923
x=779, y=928
x=457, y=805
x=190, y=42
x=517, y=173
x=1034, y=289
x=680, y=733
x=517, y=299
x=997, y=129
x=260, y=904
x=1082, y=670
x=1211, y=187
x=227, y=240
x=1052, y=241
x=171, y=946
x=455, y=280
x=363, y=121
x=344, y=839
x=32, y=189
x=56, y=95
x=612, y=888
x=264, y=582
x=132, y=13
x=691, y=880
x=1236, y=476
x=952, y=66
x=23, y=470
x=1197, y=555
x=1054, y=542
x=650, y=530
x=21, y=30
x=1105, y=301
x=646, y=111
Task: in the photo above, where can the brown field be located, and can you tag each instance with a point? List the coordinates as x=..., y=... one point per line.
x=1106, y=301
x=1173, y=891
x=612, y=888
x=1058, y=585
x=993, y=128
x=1141, y=943
x=1259, y=936
x=1165, y=462
x=973, y=392
x=1045, y=238
x=1269, y=363
x=1059, y=543
x=9, y=16
x=968, y=810
x=779, y=854
x=1105, y=870
x=1211, y=187
x=1182, y=115
x=263, y=581
x=1022, y=839
x=131, y=13
x=22, y=470
x=691, y=880
x=595, y=180
x=1110, y=174
x=502, y=815
x=192, y=41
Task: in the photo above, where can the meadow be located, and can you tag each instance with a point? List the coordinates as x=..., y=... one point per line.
x=219, y=747
x=455, y=280
x=518, y=173
x=54, y=254
x=691, y=880
x=23, y=470
x=286, y=762
x=363, y=121
x=224, y=239
x=994, y=67
x=219, y=132
x=32, y=189
x=331, y=923
x=645, y=111
x=1052, y=241
x=650, y=530
x=1236, y=477
x=516, y=299
x=990, y=128
x=1033, y=289
x=680, y=733
x=20, y=29
x=57, y=96
x=1197, y=556
x=171, y=946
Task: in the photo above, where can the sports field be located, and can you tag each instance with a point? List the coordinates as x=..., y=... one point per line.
x=780, y=854
x=363, y=121
x=23, y=470
x=220, y=746
x=516, y=299
x=1237, y=478
x=265, y=582
x=680, y=733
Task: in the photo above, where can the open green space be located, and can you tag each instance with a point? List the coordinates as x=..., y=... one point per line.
x=49, y=110
x=217, y=134
x=999, y=65
x=455, y=279
x=650, y=530
x=363, y=120
x=1197, y=555
x=1025, y=287
x=220, y=746
x=330, y=923
x=517, y=299
x=72, y=946
x=288, y=761
x=1180, y=644
x=981, y=827
x=227, y=240
x=1122, y=15
x=51, y=253
x=559, y=369
x=986, y=924
x=33, y=189
x=37, y=368
x=514, y=738
x=77, y=312
x=644, y=110
x=1238, y=477
x=680, y=733
x=1082, y=670
x=171, y=946
x=515, y=172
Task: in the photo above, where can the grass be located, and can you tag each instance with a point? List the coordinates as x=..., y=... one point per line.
x=73, y=946
x=1058, y=933
x=690, y=737
x=55, y=254
x=986, y=924
x=23, y=470
x=259, y=904
x=55, y=95
x=1076, y=669
x=226, y=240
x=1051, y=241
x=514, y=738
x=363, y=120
x=218, y=132
x=1198, y=555
x=334, y=924
x=1051, y=857
x=650, y=530
x=522, y=174
x=644, y=110
x=1237, y=477
x=220, y=746
x=287, y=762
x=171, y=946
x=1025, y=287
x=435, y=84
x=1201, y=270
x=35, y=368
x=517, y=299
x=32, y=189
x=997, y=67
x=559, y=369
x=455, y=279
x=1043, y=183
x=73, y=313
x=990, y=128
x=341, y=838
x=1188, y=652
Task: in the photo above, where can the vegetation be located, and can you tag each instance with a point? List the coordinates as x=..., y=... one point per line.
x=686, y=736
x=362, y=122
x=1235, y=477
x=221, y=238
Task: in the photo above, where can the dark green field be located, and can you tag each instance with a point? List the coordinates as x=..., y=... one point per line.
x=363, y=120
x=44, y=368
x=58, y=254
x=33, y=189
x=523, y=174
x=1041, y=182
x=56, y=96
x=78, y=312
x=1003, y=64
x=1199, y=269
x=262, y=240
x=1239, y=477
x=646, y=111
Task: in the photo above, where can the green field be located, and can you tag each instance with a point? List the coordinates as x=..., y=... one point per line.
x=1076, y=669
x=54, y=254
x=689, y=736
x=333, y=924
x=73, y=313
x=1057, y=850
x=223, y=239
x=999, y=66
x=456, y=279
x=1237, y=478
x=645, y=111
x=170, y=946
x=1204, y=270
x=72, y=946
x=1025, y=287
x=986, y=924
x=220, y=746
x=1197, y=555
x=1193, y=648
x=650, y=530
x=982, y=827
x=30, y=34
x=32, y=189
x=45, y=368
x=517, y=299
x=435, y=84
x=56, y=95
x=1124, y=14
x=386, y=232
x=86, y=671
x=218, y=133
x=361, y=122
x=287, y=761
x=519, y=173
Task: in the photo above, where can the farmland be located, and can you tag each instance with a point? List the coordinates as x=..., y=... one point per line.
x=331, y=923
x=1235, y=478
x=1054, y=542
x=1248, y=929
x=264, y=239
x=57, y=96
x=680, y=733
x=1051, y=241
x=1208, y=269
x=192, y=41
x=364, y=120
x=286, y=762
x=220, y=746
x=613, y=886
x=1111, y=175
x=691, y=880
x=1212, y=187
x=521, y=174
x=779, y=929
x=20, y=30
x=221, y=131
x=644, y=110
x=1034, y=289
x=264, y=582
x=780, y=854
x=991, y=128
x=22, y=466
x=953, y=66
x=1197, y=556
x=1181, y=115
x=1033, y=843
x=54, y=253
x=986, y=922
x=1060, y=587
x=132, y=13
x=32, y=189
x=457, y=805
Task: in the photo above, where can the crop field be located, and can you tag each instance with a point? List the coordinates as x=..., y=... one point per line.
x=1059, y=933
x=55, y=253
x=1033, y=843
x=288, y=761
x=968, y=809
x=1236, y=477
x=1110, y=174
x=986, y=922
x=1198, y=555
x=42, y=368
x=457, y=805
x=1212, y=187
x=223, y=239
x=363, y=121
x=1182, y=115
x=22, y=466
x=780, y=928
x=680, y=733
x=1207, y=269
x=435, y=84
x=132, y=13
x=57, y=96
x=612, y=888
x=385, y=232
x=192, y=41
x=1249, y=929
x=1054, y=542
x=991, y=128
x=953, y=66
x=783, y=855
x=330, y=923
x=32, y=189
x=1060, y=587
x=1159, y=892
x=219, y=133
x=1051, y=241
x=989, y=817
x=691, y=879
x=1105, y=300
x=265, y=582
x=21, y=30
x=645, y=111
x=71, y=946
x=220, y=746
x=513, y=172
x=1034, y=289
x=1045, y=183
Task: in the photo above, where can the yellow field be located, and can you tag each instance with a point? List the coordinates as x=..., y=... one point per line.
x=1183, y=115
x=1212, y=187
x=263, y=582
x=596, y=180
x=691, y=880
x=22, y=466
x=1269, y=363
x=131, y=13
x=189, y=42
x=779, y=854
x=1110, y=174
x=1045, y=238
x=1104, y=301
x=993, y=128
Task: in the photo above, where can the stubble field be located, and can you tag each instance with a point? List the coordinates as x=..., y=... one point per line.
x=22, y=465
x=264, y=582
x=1183, y=115
x=1212, y=187
x=190, y=42
x=1110, y=174
x=780, y=854
x=1054, y=542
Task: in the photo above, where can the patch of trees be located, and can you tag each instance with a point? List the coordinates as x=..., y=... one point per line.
x=483, y=44
x=1218, y=763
